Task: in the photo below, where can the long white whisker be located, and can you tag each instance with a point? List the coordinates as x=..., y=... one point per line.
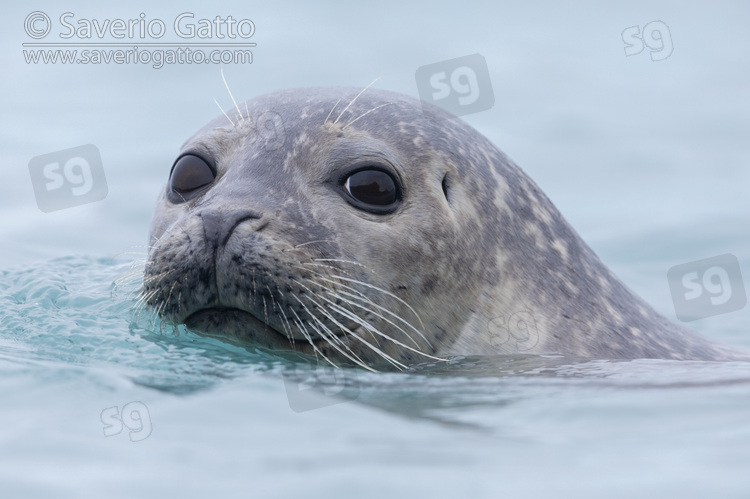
x=357, y=361
x=366, y=325
x=142, y=302
x=365, y=114
x=347, y=330
x=360, y=296
x=355, y=281
x=336, y=260
x=373, y=312
x=323, y=334
x=230, y=95
x=398, y=365
x=355, y=98
x=329, y=112
x=369, y=327
x=309, y=264
x=311, y=242
x=303, y=330
x=225, y=114
x=287, y=327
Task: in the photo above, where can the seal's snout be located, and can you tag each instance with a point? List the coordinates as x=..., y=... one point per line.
x=218, y=225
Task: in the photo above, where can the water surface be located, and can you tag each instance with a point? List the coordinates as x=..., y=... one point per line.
x=647, y=160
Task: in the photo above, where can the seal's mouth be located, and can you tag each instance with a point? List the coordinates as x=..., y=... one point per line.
x=220, y=316
x=229, y=323
x=234, y=323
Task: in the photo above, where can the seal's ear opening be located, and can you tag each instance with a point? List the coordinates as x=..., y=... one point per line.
x=445, y=188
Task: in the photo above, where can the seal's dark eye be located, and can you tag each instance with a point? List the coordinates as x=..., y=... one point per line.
x=375, y=188
x=189, y=174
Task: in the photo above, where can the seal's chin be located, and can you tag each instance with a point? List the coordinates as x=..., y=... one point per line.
x=235, y=324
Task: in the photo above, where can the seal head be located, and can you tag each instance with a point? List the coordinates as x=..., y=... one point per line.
x=370, y=228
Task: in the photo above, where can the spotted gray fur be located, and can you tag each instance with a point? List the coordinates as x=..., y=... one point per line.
x=271, y=256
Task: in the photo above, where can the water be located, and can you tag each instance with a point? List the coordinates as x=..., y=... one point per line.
x=648, y=160
x=72, y=348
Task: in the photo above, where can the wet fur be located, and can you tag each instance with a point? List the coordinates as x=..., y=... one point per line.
x=476, y=260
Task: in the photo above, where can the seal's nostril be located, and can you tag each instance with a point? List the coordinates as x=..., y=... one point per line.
x=218, y=224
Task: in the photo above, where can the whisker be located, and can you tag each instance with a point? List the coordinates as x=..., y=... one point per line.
x=143, y=297
x=373, y=312
x=355, y=98
x=336, y=260
x=138, y=264
x=330, y=336
x=121, y=253
x=160, y=310
x=144, y=283
x=329, y=112
x=230, y=95
x=302, y=329
x=398, y=365
x=169, y=296
x=311, y=242
x=365, y=114
x=287, y=328
x=351, y=315
x=347, y=330
x=225, y=114
x=128, y=276
x=265, y=310
x=142, y=302
x=355, y=281
x=362, y=297
x=354, y=335
x=370, y=327
x=336, y=339
x=320, y=265
x=314, y=317
x=328, y=339
x=126, y=280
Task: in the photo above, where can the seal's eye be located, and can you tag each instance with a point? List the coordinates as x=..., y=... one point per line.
x=189, y=174
x=374, y=188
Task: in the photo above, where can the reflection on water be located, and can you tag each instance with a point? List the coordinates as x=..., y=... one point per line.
x=69, y=312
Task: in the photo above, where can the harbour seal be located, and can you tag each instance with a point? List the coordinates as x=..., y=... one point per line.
x=371, y=228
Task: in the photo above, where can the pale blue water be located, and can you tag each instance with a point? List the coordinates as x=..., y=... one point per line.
x=648, y=160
